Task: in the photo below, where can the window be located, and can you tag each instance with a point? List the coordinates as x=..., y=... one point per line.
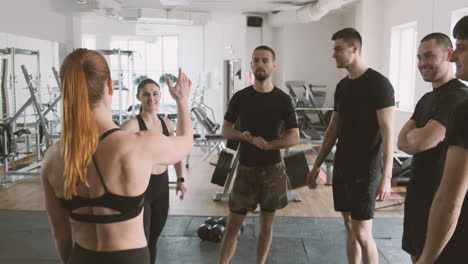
x=152, y=59
x=89, y=41
x=170, y=63
x=403, y=64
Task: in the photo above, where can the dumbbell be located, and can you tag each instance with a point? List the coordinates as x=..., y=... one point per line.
x=217, y=232
x=204, y=232
x=222, y=221
x=211, y=220
x=213, y=229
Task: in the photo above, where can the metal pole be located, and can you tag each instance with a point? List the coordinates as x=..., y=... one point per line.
x=133, y=85
x=13, y=119
x=38, y=77
x=129, y=91
x=120, y=86
x=57, y=77
x=5, y=140
x=164, y=97
x=5, y=103
x=36, y=105
x=38, y=143
x=58, y=98
x=13, y=86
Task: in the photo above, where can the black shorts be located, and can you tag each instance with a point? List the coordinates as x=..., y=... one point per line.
x=417, y=206
x=355, y=193
x=82, y=255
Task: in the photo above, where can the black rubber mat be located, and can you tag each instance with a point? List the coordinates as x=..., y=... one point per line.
x=26, y=238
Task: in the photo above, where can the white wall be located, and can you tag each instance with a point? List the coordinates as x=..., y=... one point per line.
x=304, y=53
x=36, y=19
x=368, y=22
x=224, y=38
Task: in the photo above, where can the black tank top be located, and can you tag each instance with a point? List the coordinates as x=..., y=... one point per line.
x=142, y=125
x=127, y=206
x=158, y=184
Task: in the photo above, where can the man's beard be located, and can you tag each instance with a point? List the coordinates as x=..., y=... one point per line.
x=261, y=76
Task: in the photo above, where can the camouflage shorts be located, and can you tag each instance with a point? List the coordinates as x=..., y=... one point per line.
x=265, y=185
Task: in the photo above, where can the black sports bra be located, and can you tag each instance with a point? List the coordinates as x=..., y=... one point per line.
x=128, y=206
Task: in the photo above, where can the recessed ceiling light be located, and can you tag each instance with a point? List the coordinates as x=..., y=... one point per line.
x=175, y=2
x=81, y=1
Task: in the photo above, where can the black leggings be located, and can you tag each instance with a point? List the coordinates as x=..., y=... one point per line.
x=156, y=210
x=130, y=256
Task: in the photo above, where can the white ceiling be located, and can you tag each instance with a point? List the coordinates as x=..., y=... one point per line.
x=250, y=6
x=113, y=8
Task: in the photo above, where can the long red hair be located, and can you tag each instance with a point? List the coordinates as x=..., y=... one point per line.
x=84, y=74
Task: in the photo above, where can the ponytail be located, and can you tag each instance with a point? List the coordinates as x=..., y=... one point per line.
x=83, y=78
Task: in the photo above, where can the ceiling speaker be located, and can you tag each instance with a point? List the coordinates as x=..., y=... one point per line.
x=254, y=21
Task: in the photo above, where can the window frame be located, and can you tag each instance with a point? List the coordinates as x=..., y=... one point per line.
x=397, y=63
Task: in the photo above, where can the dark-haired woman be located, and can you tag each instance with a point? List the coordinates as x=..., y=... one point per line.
x=157, y=194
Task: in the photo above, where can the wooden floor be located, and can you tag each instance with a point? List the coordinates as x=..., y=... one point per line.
x=27, y=195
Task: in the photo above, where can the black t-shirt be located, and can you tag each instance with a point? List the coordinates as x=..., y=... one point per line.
x=263, y=115
x=359, y=149
x=427, y=166
x=457, y=135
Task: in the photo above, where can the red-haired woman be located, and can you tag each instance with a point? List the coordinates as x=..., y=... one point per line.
x=96, y=175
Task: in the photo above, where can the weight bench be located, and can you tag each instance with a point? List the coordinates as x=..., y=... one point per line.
x=224, y=171
x=205, y=140
x=401, y=172
x=297, y=170
x=187, y=159
x=210, y=126
x=218, y=139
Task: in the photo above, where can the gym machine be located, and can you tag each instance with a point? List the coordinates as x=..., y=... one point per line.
x=12, y=54
x=210, y=139
x=200, y=113
x=313, y=118
x=9, y=149
x=118, y=118
x=50, y=107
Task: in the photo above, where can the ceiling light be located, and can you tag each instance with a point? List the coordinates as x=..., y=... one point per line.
x=175, y=2
x=81, y=1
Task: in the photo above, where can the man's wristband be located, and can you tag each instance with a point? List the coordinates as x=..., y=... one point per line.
x=181, y=179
